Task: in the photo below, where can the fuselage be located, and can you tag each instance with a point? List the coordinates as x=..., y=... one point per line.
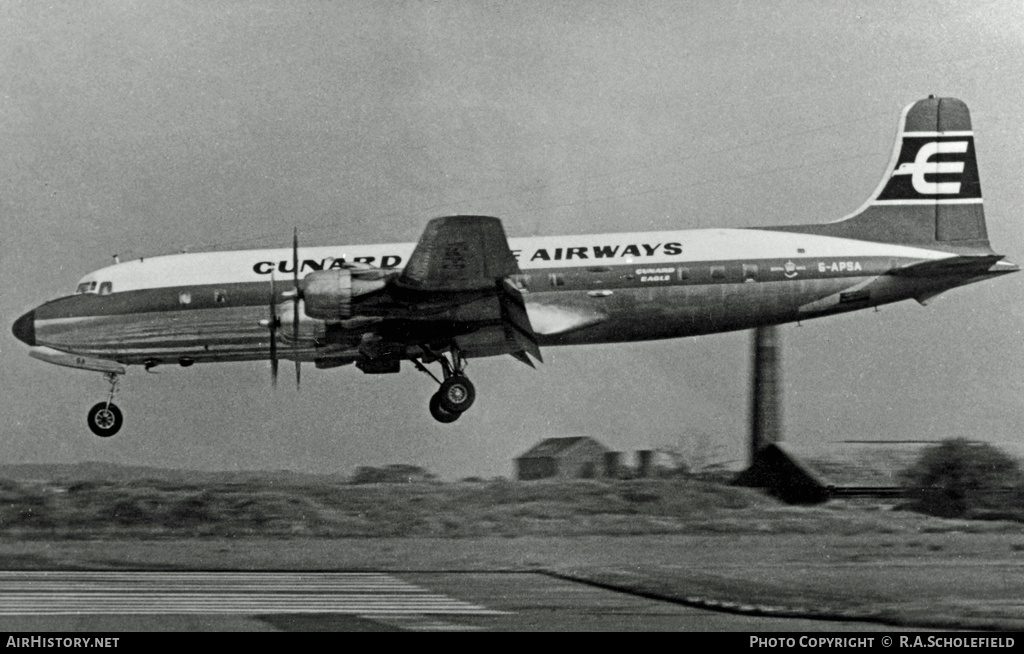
x=578, y=289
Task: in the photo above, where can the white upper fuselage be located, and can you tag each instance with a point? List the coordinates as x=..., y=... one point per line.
x=643, y=249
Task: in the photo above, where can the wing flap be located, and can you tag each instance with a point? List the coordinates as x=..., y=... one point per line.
x=506, y=331
x=517, y=321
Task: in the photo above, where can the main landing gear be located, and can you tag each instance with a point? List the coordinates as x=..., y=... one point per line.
x=456, y=393
x=105, y=419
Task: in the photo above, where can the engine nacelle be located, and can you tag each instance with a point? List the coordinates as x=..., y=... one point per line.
x=328, y=294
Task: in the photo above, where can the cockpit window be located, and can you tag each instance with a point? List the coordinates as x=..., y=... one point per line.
x=86, y=287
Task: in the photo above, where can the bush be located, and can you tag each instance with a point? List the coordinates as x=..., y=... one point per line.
x=957, y=476
x=396, y=473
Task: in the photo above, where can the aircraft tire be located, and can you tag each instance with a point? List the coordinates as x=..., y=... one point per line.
x=439, y=413
x=457, y=394
x=105, y=419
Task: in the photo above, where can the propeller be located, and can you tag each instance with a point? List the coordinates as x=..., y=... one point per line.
x=274, y=321
x=295, y=306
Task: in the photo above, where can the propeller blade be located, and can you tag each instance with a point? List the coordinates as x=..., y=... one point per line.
x=295, y=341
x=295, y=305
x=273, y=361
x=273, y=332
x=295, y=323
x=295, y=257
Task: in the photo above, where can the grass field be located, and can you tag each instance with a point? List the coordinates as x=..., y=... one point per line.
x=686, y=540
x=158, y=508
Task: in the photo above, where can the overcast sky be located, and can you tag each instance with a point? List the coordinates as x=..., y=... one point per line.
x=147, y=128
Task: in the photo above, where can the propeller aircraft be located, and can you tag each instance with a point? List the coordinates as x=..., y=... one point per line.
x=465, y=290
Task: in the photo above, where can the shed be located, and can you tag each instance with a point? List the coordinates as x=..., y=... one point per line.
x=577, y=457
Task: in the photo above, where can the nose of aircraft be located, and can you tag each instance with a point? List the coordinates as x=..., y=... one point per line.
x=25, y=328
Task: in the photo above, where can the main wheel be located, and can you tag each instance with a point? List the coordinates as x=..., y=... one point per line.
x=439, y=412
x=457, y=394
x=105, y=419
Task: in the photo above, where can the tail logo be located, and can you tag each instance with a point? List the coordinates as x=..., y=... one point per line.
x=922, y=165
x=932, y=168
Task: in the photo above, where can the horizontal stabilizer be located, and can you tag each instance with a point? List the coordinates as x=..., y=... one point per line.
x=965, y=266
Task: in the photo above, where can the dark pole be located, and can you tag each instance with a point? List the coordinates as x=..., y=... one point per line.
x=765, y=407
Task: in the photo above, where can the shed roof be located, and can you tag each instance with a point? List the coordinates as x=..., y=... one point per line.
x=556, y=446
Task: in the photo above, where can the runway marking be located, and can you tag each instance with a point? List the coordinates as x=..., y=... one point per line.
x=419, y=623
x=366, y=594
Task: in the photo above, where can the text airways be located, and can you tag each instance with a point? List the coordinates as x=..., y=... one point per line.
x=540, y=254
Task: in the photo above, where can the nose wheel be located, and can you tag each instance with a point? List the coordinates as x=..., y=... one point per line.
x=105, y=419
x=456, y=393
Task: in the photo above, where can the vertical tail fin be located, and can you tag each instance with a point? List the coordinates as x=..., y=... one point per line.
x=930, y=194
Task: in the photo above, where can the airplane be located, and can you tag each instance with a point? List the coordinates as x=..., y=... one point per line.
x=465, y=290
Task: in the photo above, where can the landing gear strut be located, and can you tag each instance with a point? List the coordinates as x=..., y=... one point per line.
x=105, y=419
x=456, y=393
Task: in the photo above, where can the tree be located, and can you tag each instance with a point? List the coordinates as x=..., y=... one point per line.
x=958, y=475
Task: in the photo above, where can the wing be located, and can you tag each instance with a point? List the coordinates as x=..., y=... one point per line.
x=462, y=262
x=459, y=253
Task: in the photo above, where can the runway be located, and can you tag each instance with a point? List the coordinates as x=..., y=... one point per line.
x=247, y=593
x=349, y=601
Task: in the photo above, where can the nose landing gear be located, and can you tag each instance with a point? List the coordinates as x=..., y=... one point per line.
x=105, y=419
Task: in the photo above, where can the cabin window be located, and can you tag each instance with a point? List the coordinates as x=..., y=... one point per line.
x=683, y=274
x=717, y=272
x=799, y=250
x=185, y=298
x=556, y=279
x=521, y=282
x=106, y=288
x=220, y=296
x=749, y=272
